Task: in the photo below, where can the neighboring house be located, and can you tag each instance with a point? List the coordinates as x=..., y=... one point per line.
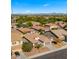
x=61, y=23
x=51, y=36
x=60, y=33
x=16, y=39
x=38, y=27
x=45, y=28
x=26, y=30
x=52, y=25
x=45, y=39
x=36, y=38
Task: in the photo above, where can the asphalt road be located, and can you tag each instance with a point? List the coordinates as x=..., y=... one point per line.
x=62, y=54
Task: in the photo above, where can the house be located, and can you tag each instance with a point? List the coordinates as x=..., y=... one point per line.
x=16, y=40
x=60, y=33
x=36, y=38
x=52, y=25
x=31, y=37
x=37, y=27
x=45, y=28
x=61, y=24
x=26, y=30
x=45, y=39
x=51, y=36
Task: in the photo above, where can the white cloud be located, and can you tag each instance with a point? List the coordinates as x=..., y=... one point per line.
x=45, y=5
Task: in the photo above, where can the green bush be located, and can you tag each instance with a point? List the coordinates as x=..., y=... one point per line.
x=18, y=25
x=27, y=47
x=29, y=24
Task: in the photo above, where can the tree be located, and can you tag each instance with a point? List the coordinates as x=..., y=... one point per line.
x=18, y=25
x=43, y=21
x=27, y=47
x=51, y=20
x=29, y=24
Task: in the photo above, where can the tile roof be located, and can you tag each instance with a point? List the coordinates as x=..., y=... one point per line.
x=32, y=37
x=15, y=35
x=38, y=27
x=25, y=30
x=59, y=32
x=50, y=35
x=44, y=38
x=61, y=23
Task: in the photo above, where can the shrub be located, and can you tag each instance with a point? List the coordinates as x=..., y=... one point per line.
x=29, y=24
x=27, y=47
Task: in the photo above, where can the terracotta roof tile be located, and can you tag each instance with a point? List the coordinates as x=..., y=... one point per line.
x=15, y=35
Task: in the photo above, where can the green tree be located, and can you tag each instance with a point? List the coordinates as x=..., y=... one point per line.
x=18, y=25
x=29, y=24
x=27, y=47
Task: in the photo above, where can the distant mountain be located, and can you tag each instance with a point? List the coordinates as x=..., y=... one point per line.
x=41, y=14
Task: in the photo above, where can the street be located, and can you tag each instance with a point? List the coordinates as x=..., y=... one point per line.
x=62, y=54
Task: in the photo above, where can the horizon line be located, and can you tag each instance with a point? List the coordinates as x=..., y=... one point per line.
x=40, y=13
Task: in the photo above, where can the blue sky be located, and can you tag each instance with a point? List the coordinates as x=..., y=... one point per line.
x=39, y=6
